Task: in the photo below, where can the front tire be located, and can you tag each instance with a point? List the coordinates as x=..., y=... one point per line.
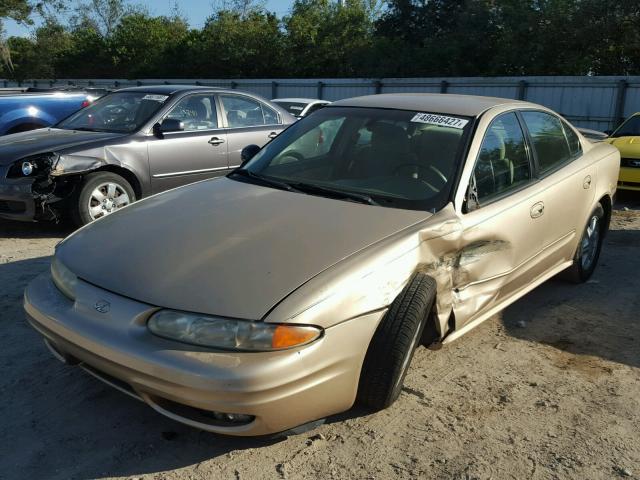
x=587, y=254
x=101, y=194
x=394, y=342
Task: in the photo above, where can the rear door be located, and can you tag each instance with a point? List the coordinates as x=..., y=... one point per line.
x=248, y=121
x=566, y=176
x=196, y=153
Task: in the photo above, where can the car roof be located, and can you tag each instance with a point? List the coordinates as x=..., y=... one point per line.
x=465, y=105
x=169, y=89
x=300, y=100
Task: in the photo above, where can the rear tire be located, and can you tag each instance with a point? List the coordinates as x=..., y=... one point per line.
x=394, y=342
x=587, y=254
x=98, y=190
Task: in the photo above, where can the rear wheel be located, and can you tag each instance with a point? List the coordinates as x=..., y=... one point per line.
x=589, y=247
x=394, y=342
x=101, y=194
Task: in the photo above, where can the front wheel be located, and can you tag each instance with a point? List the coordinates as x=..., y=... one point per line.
x=588, y=251
x=101, y=194
x=396, y=338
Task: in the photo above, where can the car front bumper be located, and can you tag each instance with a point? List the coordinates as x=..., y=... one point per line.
x=16, y=198
x=629, y=178
x=280, y=389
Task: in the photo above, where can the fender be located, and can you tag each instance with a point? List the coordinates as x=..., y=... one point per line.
x=20, y=116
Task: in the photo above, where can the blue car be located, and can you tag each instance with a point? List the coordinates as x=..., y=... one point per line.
x=28, y=111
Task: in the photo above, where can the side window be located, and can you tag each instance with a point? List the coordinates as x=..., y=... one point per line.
x=574, y=142
x=503, y=163
x=270, y=115
x=197, y=112
x=549, y=141
x=246, y=112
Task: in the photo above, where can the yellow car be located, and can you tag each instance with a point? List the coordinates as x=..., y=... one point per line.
x=627, y=139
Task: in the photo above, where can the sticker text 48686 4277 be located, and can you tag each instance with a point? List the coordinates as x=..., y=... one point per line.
x=441, y=120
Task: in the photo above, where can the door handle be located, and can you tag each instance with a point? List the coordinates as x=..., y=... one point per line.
x=272, y=135
x=215, y=141
x=537, y=209
x=587, y=182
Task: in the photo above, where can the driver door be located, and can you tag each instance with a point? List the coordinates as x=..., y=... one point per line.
x=503, y=229
x=197, y=152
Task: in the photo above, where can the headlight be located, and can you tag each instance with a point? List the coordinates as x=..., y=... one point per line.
x=27, y=168
x=230, y=334
x=32, y=166
x=63, y=278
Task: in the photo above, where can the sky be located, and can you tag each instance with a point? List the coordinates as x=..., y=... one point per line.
x=196, y=12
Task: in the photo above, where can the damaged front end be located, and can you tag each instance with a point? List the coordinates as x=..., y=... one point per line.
x=54, y=180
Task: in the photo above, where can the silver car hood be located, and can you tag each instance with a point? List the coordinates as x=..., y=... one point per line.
x=224, y=247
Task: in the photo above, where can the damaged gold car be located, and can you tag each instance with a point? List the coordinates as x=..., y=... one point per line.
x=303, y=281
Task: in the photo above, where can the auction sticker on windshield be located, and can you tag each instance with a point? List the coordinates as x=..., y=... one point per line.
x=157, y=98
x=441, y=120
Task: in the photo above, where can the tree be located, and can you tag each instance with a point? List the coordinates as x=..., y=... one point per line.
x=21, y=11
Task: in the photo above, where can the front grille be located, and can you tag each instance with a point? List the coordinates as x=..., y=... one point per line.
x=12, y=206
x=630, y=162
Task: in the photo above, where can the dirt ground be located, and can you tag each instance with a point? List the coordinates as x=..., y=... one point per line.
x=549, y=388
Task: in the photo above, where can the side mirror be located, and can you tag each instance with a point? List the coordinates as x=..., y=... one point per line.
x=248, y=153
x=168, y=125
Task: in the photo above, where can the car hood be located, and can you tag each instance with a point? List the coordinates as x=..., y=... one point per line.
x=224, y=247
x=628, y=146
x=19, y=145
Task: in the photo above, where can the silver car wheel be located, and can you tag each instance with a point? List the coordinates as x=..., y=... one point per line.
x=589, y=242
x=106, y=198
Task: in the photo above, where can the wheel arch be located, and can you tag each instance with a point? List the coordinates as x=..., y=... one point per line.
x=125, y=173
x=607, y=206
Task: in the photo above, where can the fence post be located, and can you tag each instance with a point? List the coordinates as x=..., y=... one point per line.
x=444, y=86
x=620, y=101
x=522, y=90
x=320, y=87
x=274, y=89
x=377, y=85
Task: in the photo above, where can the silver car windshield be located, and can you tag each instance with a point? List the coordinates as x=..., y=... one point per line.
x=117, y=112
x=395, y=158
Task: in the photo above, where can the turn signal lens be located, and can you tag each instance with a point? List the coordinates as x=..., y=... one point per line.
x=287, y=336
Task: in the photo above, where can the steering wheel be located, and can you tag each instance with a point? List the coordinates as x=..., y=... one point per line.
x=292, y=155
x=432, y=175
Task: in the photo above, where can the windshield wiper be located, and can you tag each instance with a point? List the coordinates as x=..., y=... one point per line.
x=265, y=180
x=335, y=192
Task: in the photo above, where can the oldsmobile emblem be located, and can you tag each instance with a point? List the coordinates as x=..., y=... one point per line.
x=102, y=306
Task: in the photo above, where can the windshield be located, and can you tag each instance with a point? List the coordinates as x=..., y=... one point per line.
x=630, y=128
x=392, y=158
x=117, y=112
x=294, y=108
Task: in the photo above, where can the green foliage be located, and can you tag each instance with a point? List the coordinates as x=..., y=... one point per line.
x=326, y=38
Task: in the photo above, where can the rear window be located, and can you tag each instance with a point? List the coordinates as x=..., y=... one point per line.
x=294, y=108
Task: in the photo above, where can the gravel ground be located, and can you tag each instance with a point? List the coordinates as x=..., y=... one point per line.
x=549, y=388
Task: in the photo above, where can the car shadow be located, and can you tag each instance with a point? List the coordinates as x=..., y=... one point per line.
x=598, y=318
x=14, y=229
x=62, y=421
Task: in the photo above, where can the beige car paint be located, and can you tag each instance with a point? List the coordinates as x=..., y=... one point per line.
x=482, y=261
